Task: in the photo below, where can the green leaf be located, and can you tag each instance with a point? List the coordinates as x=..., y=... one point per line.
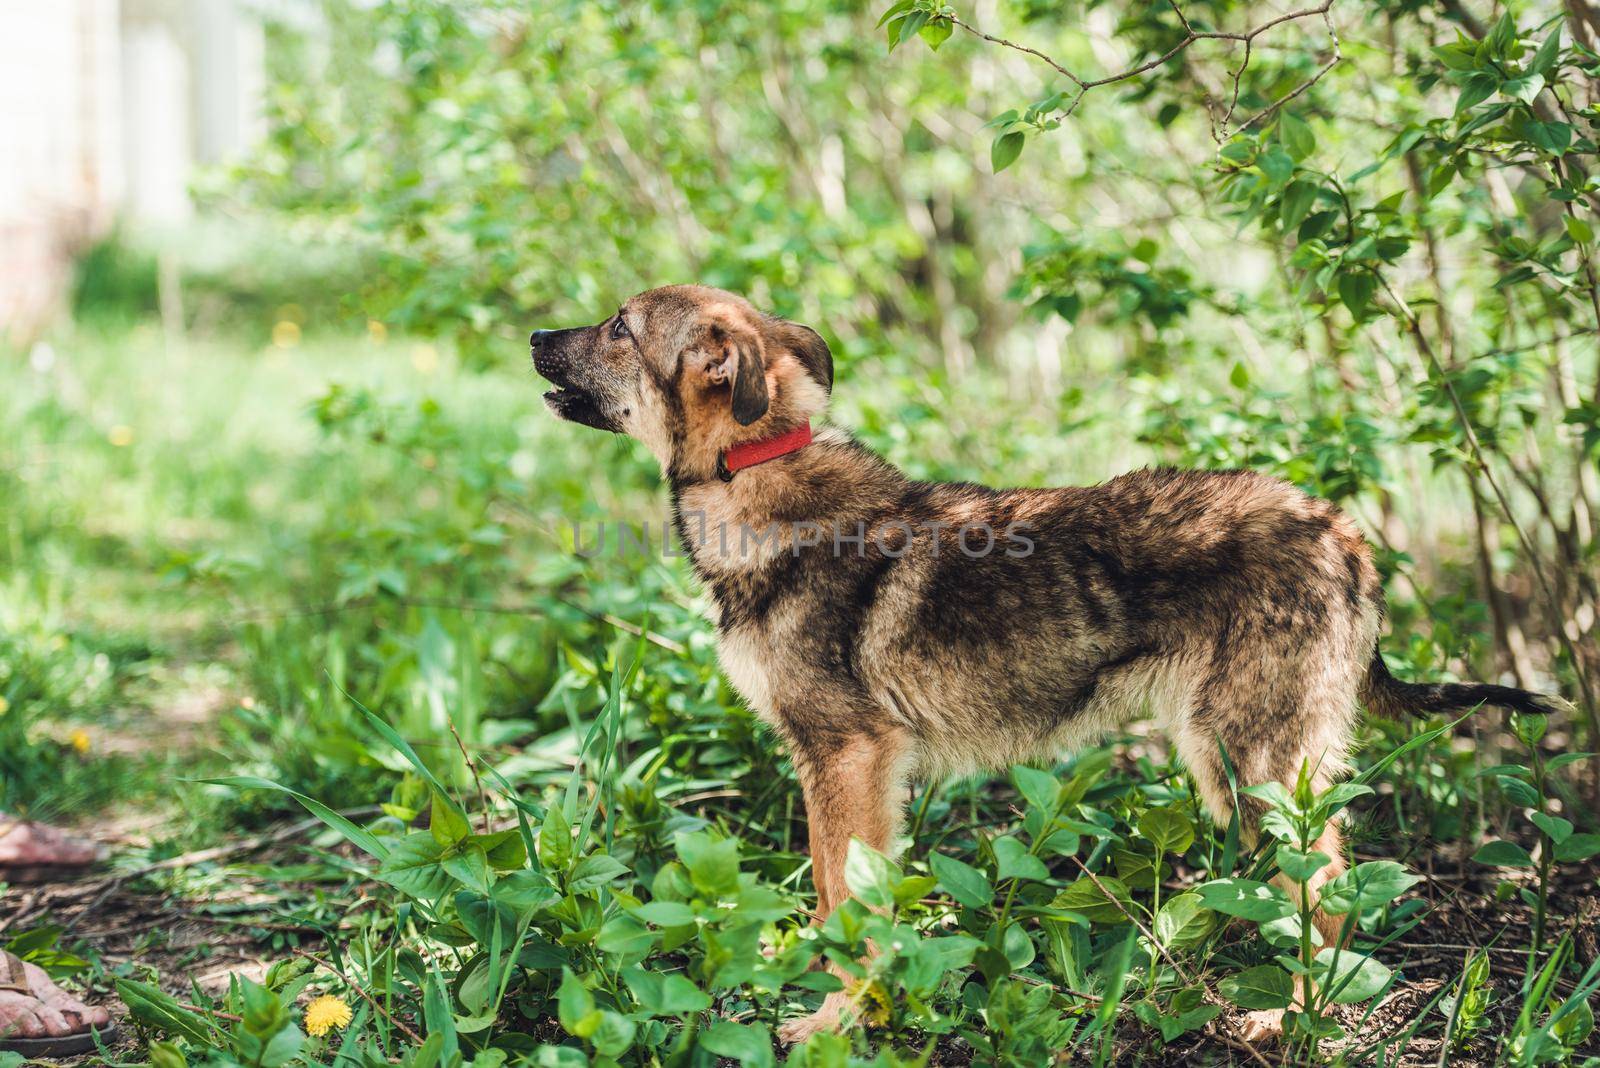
x=1296, y=201
x=1523, y=89
x=1301, y=866
x=157, y=1008
x=523, y=891
x=1015, y=862
x=415, y=867
x=593, y=872
x=1239, y=152
x=468, y=866
x=1017, y=946
x=662, y=994
x=913, y=888
x=614, y=1035
x=965, y=883
x=899, y=7
x=665, y=913
x=1265, y=986
x=1099, y=900
x=1276, y=164
x=1005, y=150
x=1582, y=233
x=745, y=1044
x=505, y=849
x=555, y=840
x=1245, y=898
x=1296, y=136
x=1356, y=288
x=1169, y=830
x=575, y=1006
x=623, y=936
x=1476, y=89
x=1183, y=921
x=1557, y=828
x=1519, y=792
x=446, y=822
x=1503, y=854
x=1171, y=1025
x=1349, y=977
x=936, y=33
x=1366, y=886
x=1458, y=56
x=869, y=874
x=1316, y=224
x=162, y=1055
x=1501, y=37
x=713, y=863
x=1039, y=787
x=1578, y=847
x=1544, y=60
x=909, y=26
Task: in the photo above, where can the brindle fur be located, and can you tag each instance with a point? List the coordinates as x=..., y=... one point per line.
x=1240, y=612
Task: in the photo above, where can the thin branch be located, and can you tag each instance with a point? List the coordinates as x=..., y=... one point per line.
x=1002, y=42
x=1190, y=36
x=1558, y=624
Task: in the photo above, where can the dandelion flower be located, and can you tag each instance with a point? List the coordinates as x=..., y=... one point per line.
x=80, y=740
x=324, y=1014
x=874, y=1002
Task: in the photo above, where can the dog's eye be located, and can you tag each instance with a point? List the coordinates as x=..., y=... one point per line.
x=619, y=329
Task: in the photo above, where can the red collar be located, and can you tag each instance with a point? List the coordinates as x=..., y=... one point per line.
x=759, y=452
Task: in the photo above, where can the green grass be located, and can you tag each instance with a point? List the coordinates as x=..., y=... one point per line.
x=216, y=555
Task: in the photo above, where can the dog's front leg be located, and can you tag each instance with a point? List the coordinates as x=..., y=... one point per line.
x=851, y=786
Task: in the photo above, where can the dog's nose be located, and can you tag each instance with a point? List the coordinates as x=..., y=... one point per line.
x=536, y=339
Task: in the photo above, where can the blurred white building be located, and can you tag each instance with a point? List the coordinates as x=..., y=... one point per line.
x=106, y=108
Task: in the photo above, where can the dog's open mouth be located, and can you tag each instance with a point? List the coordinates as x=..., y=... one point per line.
x=577, y=406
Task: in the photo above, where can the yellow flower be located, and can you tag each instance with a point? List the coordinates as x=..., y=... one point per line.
x=285, y=334
x=873, y=1000
x=326, y=1013
x=121, y=436
x=5, y=706
x=80, y=740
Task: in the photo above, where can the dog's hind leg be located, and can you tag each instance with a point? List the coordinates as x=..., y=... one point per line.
x=1270, y=740
x=852, y=789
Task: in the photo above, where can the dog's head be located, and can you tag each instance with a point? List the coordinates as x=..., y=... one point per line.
x=688, y=370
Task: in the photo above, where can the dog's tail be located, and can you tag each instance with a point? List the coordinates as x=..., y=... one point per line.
x=1389, y=697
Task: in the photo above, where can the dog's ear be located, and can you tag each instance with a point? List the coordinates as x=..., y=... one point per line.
x=736, y=354
x=808, y=347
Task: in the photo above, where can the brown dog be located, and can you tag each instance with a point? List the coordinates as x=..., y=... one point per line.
x=888, y=628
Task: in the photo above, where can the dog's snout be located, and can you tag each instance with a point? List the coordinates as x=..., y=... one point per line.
x=550, y=357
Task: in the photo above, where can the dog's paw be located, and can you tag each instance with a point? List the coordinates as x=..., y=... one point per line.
x=826, y=1018
x=1262, y=1028
x=797, y=1031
